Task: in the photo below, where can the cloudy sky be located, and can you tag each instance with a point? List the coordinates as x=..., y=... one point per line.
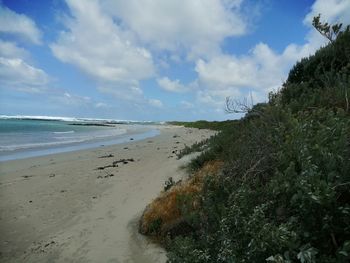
x=151, y=59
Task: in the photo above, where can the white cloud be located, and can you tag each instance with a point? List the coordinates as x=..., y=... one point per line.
x=19, y=25
x=16, y=73
x=196, y=27
x=172, y=86
x=155, y=103
x=11, y=50
x=102, y=49
x=15, y=70
x=261, y=70
x=214, y=100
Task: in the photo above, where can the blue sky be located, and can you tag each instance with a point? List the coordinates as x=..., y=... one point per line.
x=151, y=59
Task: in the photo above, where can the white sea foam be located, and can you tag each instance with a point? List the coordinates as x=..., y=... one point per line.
x=64, y=140
x=65, y=132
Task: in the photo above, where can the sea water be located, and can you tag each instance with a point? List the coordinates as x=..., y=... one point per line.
x=22, y=137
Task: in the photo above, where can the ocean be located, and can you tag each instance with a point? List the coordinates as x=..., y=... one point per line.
x=29, y=136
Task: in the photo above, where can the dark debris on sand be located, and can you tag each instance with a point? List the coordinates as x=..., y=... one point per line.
x=115, y=163
x=106, y=156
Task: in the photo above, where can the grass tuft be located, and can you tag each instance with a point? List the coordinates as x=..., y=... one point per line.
x=167, y=209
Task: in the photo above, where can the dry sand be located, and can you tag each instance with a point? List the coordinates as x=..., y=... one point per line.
x=61, y=208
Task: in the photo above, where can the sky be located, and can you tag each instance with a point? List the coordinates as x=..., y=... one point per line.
x=156, y=60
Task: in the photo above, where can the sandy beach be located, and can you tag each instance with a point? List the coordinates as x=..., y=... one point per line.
x=79, y=207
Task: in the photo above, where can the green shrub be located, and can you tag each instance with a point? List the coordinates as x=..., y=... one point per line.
x=196, y=147
x=169, y=183
x=155, y=226
x=284, y=192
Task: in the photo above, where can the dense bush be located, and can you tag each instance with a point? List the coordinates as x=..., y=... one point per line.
x=322, y=80
x=287, y=196
x=283, y=194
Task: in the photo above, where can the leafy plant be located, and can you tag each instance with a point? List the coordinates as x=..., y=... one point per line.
x=283, y=193
x=169, y=183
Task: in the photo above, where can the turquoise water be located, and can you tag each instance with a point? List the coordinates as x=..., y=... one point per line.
x=21, y=138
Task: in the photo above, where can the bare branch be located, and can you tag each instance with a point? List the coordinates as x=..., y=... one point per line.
x=239, y=106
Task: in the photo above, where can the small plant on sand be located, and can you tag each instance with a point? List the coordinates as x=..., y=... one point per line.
x=169, y=183
x=173, y=209
x=155, y=226
x=196, y=147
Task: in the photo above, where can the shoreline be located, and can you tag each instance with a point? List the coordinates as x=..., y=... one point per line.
x=135, y=135
x=62, y=208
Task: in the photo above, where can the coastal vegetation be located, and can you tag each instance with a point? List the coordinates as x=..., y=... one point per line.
x=202, y=124
x=273, y=186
